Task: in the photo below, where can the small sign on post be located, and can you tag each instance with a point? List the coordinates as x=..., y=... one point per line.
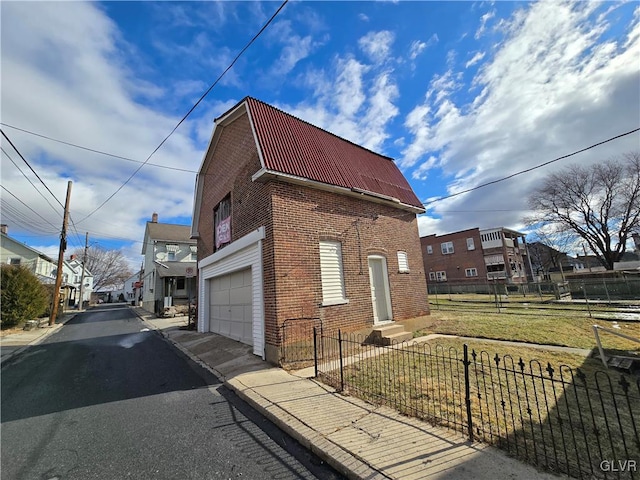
x=189, y=272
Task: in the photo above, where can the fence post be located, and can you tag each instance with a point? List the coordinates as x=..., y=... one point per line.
x=584, y=290
x=467, y=390
x=341, y=365
x=315, y=353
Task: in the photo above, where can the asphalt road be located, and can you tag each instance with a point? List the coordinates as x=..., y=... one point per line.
x=104, y=399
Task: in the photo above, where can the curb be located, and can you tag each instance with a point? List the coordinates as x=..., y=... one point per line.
x=36, y=341
x=338, y=458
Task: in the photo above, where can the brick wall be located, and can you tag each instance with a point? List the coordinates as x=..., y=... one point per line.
x=455, y=264
x=229, y=171
x=303, y=216
x=296, y=218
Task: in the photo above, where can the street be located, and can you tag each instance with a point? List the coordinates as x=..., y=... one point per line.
x=106, y=398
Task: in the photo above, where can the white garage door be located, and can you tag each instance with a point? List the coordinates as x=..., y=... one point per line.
x=230, y=306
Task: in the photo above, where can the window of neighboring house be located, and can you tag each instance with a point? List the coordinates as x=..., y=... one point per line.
x=222, y=223
x=76, y=279
x=331, y=273
x=14, y=261
x=429, y=249
x=172, y=250
x=446, y=247
x=441, y=276
x=403, y=262
x=194, y=253
x=471, y=272
x=432, y=275
x=180, y=283
x=470, y=244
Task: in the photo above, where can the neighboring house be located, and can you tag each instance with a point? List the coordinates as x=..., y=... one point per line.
x=475, y=256
x=13, y=252
x=169, y=265
x=73, y=277
x=549, y=264
x=295, y=223
x=130, y=290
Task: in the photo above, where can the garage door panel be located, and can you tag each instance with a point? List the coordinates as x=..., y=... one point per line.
x=220, y=297
x=237, y=279
x=231, y=312
x=240, y=295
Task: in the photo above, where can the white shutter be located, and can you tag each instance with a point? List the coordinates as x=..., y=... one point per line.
x=331, y=273
x=403, y=262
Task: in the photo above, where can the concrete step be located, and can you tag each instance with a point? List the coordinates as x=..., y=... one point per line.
x=396, y=338
x=390, y=329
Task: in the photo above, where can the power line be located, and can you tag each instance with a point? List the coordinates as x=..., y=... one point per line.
x=532, y=168
x=38, y=177
x=30, y=167
x=255, y=37
x=93, y=150
x=29, y=180
x=6, y=190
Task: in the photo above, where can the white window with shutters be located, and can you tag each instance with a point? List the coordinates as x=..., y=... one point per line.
x=403, y=262
x=331, y=273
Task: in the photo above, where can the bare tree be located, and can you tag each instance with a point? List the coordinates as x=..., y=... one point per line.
x=108, y=267
x=599, y=203
x=549, y=252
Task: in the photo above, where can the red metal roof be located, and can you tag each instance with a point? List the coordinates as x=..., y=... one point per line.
x=292, y=146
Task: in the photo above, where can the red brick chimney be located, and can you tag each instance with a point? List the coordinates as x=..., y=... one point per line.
x=154, y=218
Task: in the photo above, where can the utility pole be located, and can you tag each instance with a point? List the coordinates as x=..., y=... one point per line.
x=84, y=262
x=63, y=247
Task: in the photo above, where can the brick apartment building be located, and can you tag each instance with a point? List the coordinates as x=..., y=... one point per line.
x=476, y=256
x=294, y=222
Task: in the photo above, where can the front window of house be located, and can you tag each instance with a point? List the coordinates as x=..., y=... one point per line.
x=470, y=244
x=447, y=248
x=172, y=251
x=471, y=272
x=222, y=223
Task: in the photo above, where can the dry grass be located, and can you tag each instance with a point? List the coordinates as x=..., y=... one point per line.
x=545, y=417
x=558, y=329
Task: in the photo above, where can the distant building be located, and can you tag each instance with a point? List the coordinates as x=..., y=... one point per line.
x=475, y=256
x=549, y=264
x=13, y=252
x=170, y=257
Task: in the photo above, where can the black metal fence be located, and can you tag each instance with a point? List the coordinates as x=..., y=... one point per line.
x=296, y=346
x=594, y=289
x=559, y=419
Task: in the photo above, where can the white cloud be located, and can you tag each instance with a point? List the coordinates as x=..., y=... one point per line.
x=483, y=23
x=416, y=49
x=554, y=85
x=377, y=45
x=475, y=59
x=82, y=92
x=363, y=17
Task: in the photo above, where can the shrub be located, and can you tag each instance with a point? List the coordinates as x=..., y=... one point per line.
x=23, y=296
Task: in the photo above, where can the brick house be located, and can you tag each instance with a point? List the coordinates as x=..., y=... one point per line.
x=293, y=222
x=476, y=256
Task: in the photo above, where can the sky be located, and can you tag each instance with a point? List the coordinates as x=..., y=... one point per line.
x=458, y=93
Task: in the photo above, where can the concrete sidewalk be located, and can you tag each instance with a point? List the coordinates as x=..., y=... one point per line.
x=14, y=343
x=359, y=440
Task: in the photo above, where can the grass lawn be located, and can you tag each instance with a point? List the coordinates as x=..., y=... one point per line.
x=558, y=410
x=557, y=329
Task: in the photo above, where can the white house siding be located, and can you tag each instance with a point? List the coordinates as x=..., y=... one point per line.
x=245, y=253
